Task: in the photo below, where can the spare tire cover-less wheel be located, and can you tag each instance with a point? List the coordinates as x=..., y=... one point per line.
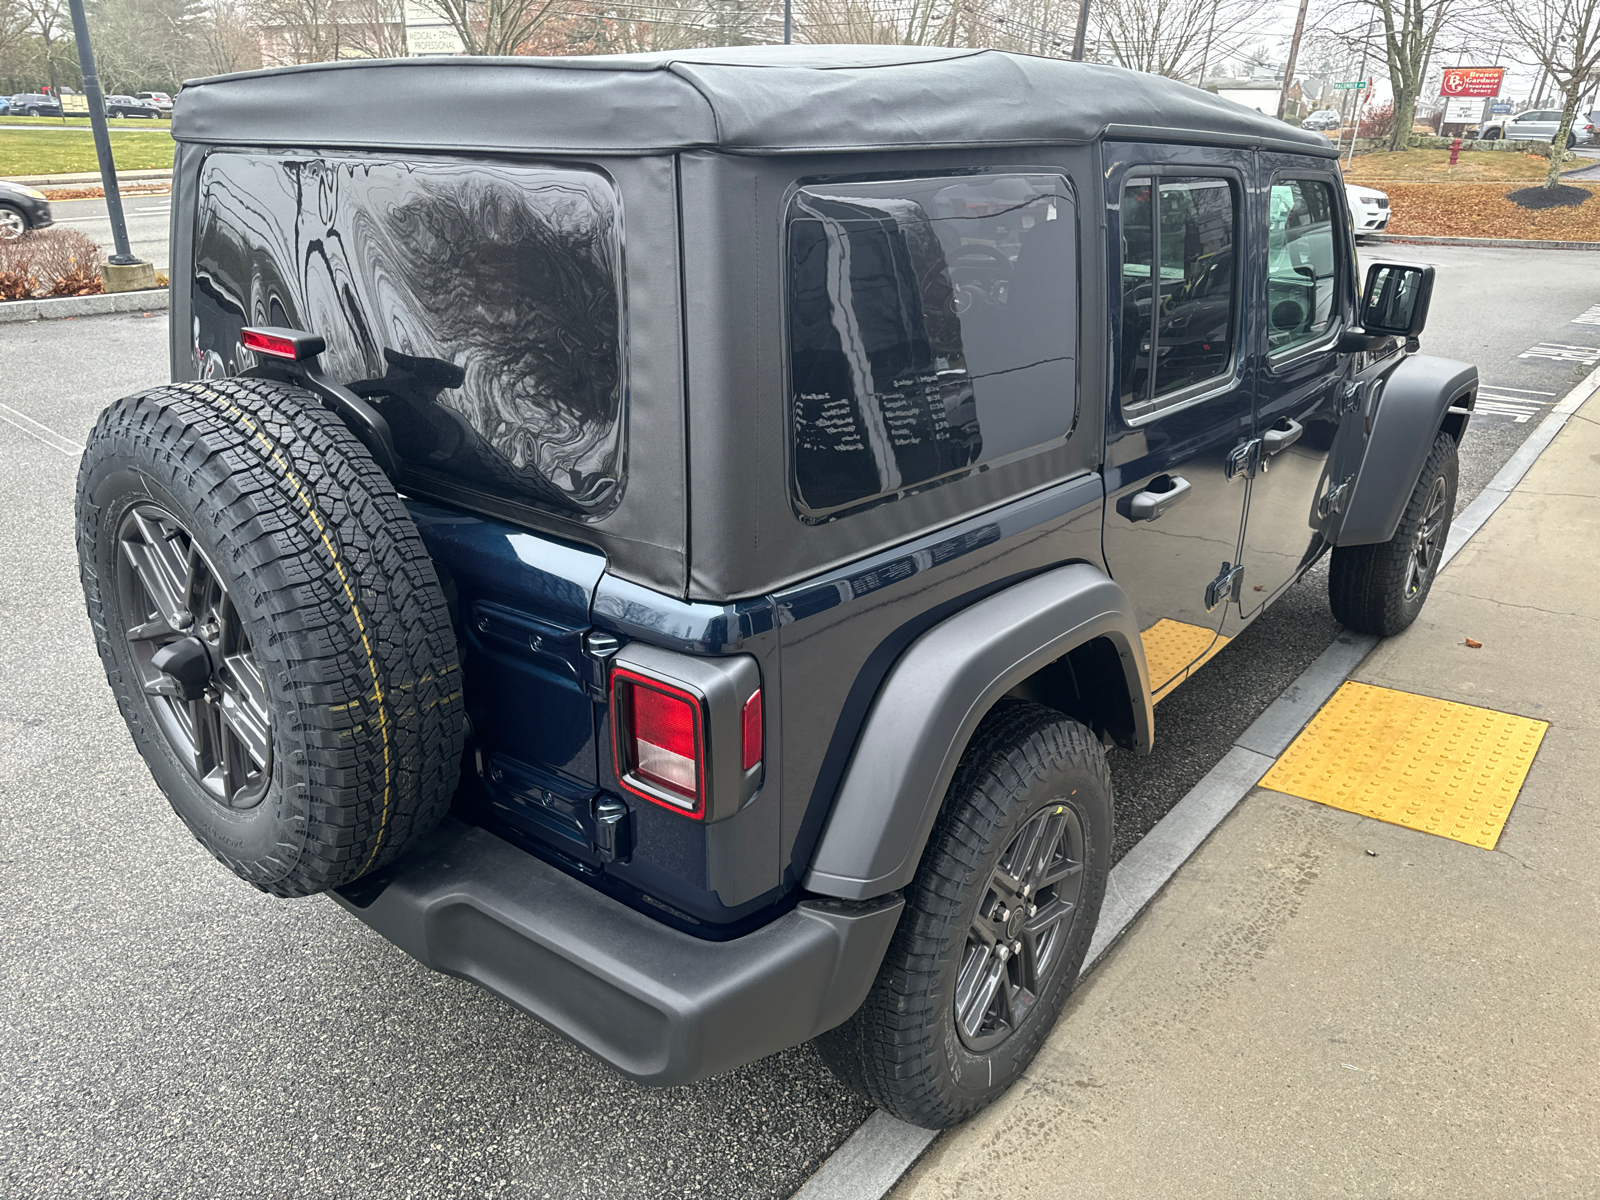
x=272, y=627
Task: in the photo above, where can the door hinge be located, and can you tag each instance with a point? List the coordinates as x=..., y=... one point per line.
x=1243, y=460
x=1334, y=500
x=1350, y=397
x=1225, y=586
x=600, y=646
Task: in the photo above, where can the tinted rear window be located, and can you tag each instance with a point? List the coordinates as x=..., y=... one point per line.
x=932, y=329
x=511, y=273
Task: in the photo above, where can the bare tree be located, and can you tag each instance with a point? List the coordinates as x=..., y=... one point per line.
x=494, y=26
x=49, y=21
x=15, y=22
x=1175, y=37
x=914, y=23
x=1563, y=37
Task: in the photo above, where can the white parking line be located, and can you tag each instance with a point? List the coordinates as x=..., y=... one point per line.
x=1562, y=352
x=1590, y=316
x=1518, y=408
x=42, y=432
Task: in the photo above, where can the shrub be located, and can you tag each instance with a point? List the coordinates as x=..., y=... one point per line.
x=1377, y=120
x=50, y=262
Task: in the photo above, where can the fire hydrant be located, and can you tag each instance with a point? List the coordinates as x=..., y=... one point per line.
x=1455, y=151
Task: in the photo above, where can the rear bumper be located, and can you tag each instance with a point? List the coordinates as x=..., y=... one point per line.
x=660, y=1006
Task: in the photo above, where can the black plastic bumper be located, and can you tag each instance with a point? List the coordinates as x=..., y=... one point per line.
x=659, y=1005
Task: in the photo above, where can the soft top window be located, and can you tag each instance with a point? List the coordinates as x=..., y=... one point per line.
x=509, y=273
x=932, y=328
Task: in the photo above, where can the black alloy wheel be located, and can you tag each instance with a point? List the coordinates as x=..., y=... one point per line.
x=1427, y=544
x=996, y=924
x=1380, y=588
x=207, y=690
x=1014, y=940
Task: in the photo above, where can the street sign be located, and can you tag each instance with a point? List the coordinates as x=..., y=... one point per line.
x=1500, y=107
x=1357, y=84
x=1472, y=81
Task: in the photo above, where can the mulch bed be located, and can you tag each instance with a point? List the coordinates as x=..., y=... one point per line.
x=1561, y=196
x=95, y=193
x=1483, y=210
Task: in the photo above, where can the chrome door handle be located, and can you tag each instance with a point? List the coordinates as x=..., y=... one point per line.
x=1153, y=501
x=1276, y=438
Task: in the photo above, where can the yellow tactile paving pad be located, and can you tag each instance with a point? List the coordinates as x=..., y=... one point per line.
x=1427, y=764
x=1171, y=646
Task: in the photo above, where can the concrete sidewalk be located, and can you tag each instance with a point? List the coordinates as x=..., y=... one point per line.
x=1320, y=1004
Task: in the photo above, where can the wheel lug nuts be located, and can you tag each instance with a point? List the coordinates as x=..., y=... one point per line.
x=181, y=620
x=1033, y=910
x=1016, y=947
x=1005, y=915
x=1003, y=953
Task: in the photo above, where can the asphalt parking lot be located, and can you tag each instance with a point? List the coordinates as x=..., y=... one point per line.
x=166, y=1031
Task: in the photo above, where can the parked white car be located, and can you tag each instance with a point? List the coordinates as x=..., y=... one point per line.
x=1369, y=209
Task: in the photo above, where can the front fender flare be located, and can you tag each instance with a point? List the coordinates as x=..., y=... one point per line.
x=933, y=699
x=1411, y=410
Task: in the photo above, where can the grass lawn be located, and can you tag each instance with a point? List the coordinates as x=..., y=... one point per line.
x=1481, y=210
x=83, y=122
x=1434, y=166
x=39, y=152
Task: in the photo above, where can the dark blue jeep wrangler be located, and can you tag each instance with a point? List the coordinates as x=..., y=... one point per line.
x=669, y=538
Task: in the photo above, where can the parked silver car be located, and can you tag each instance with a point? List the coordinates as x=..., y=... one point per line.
x=1540, y=125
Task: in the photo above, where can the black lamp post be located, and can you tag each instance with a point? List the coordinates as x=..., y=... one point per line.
x=124, y=256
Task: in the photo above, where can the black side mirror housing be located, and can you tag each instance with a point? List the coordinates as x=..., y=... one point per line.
x=1396, y=298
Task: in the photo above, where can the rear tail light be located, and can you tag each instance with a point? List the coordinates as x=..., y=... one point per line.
x=750, y=719
x=659, y=738
x=290, y=344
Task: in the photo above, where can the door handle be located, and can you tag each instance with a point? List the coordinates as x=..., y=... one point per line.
x=1153, y=501
x=1278, y=438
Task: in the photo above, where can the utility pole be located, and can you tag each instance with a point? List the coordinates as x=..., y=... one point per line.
x=788, y=21
x=1294, y=53
x=123, y=272
x=1361, y=90
x=1083, y=31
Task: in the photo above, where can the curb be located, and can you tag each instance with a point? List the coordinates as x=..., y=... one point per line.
x=87, y=179
x=874, y=1159
x=13, y=311
x=1510, y=243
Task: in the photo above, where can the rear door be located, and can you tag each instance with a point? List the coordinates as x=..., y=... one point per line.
x=1179, y=406
x=1304, y=284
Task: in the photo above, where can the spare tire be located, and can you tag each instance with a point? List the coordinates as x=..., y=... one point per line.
x=272, y=627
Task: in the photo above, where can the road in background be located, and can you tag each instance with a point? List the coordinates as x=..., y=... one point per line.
x=169, y=1031
x=147, y=217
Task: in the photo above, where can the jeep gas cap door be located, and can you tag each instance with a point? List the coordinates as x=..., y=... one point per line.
x=1180, y=411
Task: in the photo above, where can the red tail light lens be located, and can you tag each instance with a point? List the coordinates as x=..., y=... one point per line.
x=659, y=741
x=269, y=343
x=751, y=718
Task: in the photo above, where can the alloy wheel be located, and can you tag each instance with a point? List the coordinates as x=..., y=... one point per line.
x=193, y=659
x=11, y=224
x=1015, y=942
x=1428, y=545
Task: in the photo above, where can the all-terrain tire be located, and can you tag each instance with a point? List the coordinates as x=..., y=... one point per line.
x=902, y=1049
x=1380, y=588
x=252, y=493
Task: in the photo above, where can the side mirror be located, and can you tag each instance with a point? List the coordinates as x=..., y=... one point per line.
x=1396, y=299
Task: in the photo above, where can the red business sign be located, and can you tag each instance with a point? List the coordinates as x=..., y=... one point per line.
x=1472, y=81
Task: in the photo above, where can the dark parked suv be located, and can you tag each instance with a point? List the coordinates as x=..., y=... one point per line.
x=669, y=538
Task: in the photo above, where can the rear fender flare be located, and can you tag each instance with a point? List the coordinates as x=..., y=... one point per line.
x=933, y=699
x=1413, y=402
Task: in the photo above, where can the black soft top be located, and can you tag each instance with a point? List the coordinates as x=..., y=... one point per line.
x=748, y=99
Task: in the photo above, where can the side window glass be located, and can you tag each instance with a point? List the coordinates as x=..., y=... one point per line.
x=1179, y=285
x=1302, y=282
x=932, y=328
